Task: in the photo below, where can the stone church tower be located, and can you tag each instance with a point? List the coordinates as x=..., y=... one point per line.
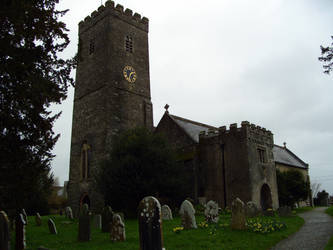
x=112, y=93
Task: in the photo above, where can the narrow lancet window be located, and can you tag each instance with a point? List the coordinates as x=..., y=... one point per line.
x=129, y=44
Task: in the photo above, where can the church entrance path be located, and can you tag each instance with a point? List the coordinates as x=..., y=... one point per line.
x=313, y=235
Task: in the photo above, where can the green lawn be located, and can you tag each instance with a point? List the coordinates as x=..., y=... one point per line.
x=303, y=209
x=201, y=238
x=329, y=245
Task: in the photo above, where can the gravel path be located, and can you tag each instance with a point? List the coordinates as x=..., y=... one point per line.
x=313, y=235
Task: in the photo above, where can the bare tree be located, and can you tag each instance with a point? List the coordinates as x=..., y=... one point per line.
x=315, y=188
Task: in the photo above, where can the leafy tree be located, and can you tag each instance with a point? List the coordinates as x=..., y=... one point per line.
x=292, y=187
x=32, y=76
x=140, y=164
x=327, y=57
x=321, y=199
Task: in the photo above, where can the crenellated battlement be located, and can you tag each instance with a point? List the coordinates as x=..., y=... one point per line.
x=109, y=8
x=233, y=128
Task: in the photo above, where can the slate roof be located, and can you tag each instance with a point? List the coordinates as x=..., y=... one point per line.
x=285, y=156
x=192, y=128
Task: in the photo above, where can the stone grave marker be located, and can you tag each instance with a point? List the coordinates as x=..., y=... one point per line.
x=150, y=224
x=97, y=221
x=117, y=229
x=212, y=212
x=238, y=215
x=20, y=232
x=25, y=216
x=4, y=231
x=187, y=213
x=38, y=220
x=107, y=216
x=52, y=226
x=251, y=210
x=84, y=224
x=166, y=213
x=285, y=211
x=69, y=213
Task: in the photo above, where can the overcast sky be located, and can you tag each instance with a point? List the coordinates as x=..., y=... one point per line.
x=225, y=61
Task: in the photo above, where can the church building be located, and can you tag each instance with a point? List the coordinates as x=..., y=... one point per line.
x=112, y=94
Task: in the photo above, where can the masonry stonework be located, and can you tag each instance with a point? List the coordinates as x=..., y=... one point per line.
x=105, y=103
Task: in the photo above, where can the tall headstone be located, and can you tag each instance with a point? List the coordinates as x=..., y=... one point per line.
x=238, y=220
x=212, y=212
x=98, y=221
x=84, y=224
x=4, y=231
x=150, y=224
x=20, y=232
x=107, y=216
x=187, y=214
x=25, y=216
x=52, y=226
x=38, y=220
x=117, y=229
x=166, y=213
x=69, y=213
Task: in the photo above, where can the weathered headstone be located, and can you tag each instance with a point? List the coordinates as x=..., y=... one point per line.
x=25, y=216
x=187, y=213
x=285, y=211
x=238, y=215
x=251, y=210
x=107, y=216
x=212, y=212
x=97, y=221
x=52, y=226
x=20, y=232
x=117, y=229
x=150, y=224
x=38, y=220
x=4, y=231
x=166, y=213
x=69, y=213
x=84, y=224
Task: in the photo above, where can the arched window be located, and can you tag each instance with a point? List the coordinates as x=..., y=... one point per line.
x=85, y=160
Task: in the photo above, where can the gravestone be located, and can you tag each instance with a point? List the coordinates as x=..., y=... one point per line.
x=25, y=216
x=4, y=231
x=150, y=224
x=285, y=211
x=187, y=212
x=212, y=212
x=166, y=213
x=107, y=216
x=52, y=226
x=20, y=232
x=69, y=213
x=238, y=215
x=117, y=229
x=84, y=224
x=251, y=210
x=38, y=220
x=97, y=221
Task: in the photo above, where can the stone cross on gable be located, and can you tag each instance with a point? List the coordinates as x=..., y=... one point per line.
x=166, y=107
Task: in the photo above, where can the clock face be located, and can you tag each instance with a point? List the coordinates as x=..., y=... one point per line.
x=129, y=74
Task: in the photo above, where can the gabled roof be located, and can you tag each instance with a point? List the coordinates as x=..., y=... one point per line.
x=192, y=128
x=284, y=156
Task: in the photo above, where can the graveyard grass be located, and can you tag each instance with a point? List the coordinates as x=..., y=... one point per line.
x=202, y=238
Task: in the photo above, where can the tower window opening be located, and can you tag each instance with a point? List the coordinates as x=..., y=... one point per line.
x=91, y=46
x=261, y=155
x=129, y=44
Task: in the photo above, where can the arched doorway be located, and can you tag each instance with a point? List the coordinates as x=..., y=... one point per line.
x=265, y=197
x=85, y=200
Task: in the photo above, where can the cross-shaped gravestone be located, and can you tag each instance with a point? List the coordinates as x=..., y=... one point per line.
x=4, y=231
x=150, y=224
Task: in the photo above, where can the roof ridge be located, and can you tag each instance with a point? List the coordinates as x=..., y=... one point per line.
x=193, y=122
